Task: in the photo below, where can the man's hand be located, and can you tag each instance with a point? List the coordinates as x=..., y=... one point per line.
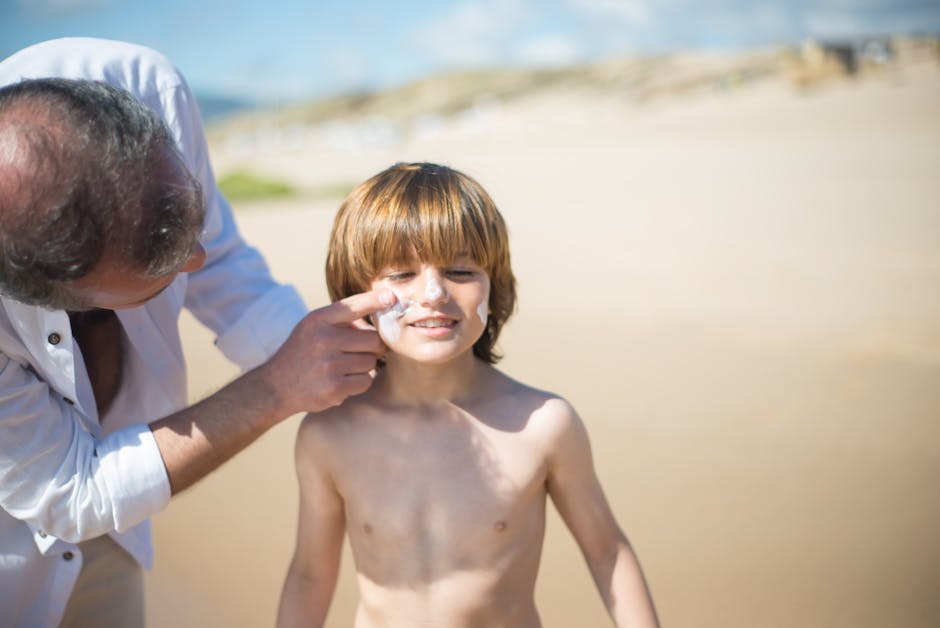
x=328, y=357
x=324, y=360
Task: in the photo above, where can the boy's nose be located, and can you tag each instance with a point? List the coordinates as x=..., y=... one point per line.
x=434, y=291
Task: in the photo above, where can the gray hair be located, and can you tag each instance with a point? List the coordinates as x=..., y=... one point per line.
x=83, y=174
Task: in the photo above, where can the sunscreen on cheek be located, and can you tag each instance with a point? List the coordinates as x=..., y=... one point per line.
x=482, y=312
x=388, y=325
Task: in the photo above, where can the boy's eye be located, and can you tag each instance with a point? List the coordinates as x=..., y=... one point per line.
x=400, y=275
x=460, y=274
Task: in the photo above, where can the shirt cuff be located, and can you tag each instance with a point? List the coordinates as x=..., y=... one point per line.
x=131, y=465
x=263, y=328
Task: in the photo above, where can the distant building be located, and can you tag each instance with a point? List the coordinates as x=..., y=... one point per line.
x=877, y=50
x=821, y=59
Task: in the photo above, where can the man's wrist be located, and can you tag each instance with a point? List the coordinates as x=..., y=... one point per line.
x=267, y=387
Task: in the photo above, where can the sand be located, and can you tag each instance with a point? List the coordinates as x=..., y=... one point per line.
x=737, y=290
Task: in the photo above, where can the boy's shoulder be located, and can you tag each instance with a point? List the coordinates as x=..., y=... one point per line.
x=324, y=437
x=499, y=397
x=501, y=384
x=560, y=434
x=322, y=429
x=335, y=417
x=544, y=409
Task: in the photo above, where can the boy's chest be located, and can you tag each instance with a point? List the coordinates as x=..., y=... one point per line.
x=451, y=491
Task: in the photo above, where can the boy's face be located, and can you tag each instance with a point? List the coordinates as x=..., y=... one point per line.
x=441, y=310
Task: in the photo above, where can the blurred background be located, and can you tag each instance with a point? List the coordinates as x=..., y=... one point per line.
x=725, y=223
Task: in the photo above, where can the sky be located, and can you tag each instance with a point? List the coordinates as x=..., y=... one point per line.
x=287, y=50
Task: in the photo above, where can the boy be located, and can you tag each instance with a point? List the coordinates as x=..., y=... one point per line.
x=439, y=472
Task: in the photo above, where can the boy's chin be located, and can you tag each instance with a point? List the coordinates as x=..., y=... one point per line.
x=430, y=356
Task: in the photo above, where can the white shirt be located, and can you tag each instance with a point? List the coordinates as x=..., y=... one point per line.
x=63, y=478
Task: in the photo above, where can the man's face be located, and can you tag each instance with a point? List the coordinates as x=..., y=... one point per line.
x=113, y=286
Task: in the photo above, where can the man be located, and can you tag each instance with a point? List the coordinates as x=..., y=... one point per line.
x=110, y=223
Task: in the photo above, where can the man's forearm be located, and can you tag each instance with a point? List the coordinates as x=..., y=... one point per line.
x=196, y=440
x=325, y=359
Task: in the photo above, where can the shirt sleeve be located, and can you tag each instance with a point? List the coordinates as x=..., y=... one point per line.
x=88, y=486
x=233, y=293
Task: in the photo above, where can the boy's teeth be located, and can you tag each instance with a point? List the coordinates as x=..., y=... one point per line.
x=432, y=323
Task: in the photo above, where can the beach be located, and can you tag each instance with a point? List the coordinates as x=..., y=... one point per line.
x=739, y=291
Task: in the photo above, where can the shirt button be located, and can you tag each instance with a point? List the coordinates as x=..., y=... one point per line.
x=54, y=338
x=42, y=534
x=68, y=556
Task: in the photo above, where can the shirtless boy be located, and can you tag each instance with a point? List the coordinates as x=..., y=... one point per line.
x=439, y=473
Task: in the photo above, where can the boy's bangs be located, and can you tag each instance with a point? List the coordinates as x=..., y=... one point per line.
x=408, y=233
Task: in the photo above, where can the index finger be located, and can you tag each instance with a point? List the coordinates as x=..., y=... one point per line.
x=345, y=311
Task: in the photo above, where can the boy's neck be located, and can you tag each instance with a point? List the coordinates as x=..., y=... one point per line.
x=405, y=381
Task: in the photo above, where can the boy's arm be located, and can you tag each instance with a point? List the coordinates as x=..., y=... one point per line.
x=311, y=578
x=579, y=498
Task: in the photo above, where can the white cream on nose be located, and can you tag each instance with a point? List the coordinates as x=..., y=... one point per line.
x=432, y=289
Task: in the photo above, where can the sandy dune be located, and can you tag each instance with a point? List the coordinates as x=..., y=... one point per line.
x=738, y=291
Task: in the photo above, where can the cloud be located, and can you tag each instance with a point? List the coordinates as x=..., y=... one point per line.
x=854, y=18
x=744, y=25
x=861, y=5
x=472, y=33
x=549, y=50
x=828, y=24
x=631, y=12
x=557, y=32
x=349, y=67
x=750, y=22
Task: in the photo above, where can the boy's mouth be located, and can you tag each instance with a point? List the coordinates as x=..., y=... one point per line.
x=431, y=323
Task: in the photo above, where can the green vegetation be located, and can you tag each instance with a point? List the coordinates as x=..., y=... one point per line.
x=332, y=191
x=245, y=186
x=241, y=185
